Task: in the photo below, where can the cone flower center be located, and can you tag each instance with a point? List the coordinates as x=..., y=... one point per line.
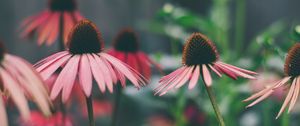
x=62, y=5
x=292, y=62
x=199, y=50
x=85, y=38
x=126, y=41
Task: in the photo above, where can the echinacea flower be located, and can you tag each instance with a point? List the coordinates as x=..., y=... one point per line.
x=55, y=21
x=20, y=81
x=84, y=59
x=126, y=49
x=292, y=71
x=38, y=119
x=199, y=57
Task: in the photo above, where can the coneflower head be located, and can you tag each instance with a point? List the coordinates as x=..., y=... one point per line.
x=84, y=38
x=292, y=62
x=126, y=41
x=199, y=50
x=62, y=5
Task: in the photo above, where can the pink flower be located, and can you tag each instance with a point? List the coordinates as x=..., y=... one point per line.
x=199, y=57
x=292, y=71
x=20, y=81
x=126, y=49
x=57, y=119
x=61, y=16
x=85, y=59
x=264, y=80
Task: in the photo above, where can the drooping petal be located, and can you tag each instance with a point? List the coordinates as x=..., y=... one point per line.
x=133, y=76
x=48, y=71
x=30, y=80
x=195, y=77
x=37, y=22
x=295, y=94
x=99, y=77
x=105, y=72
x=65, y=79
x=225, y=71
x=287, y=99
x=49, y=58
x=239, y=69
x=264, y=96
x=45, y=30
x=71, y=73
x=77, y=16
x=237, y=72
x=55, y=30
x=85, y=75
x=16, y=93
x=3, y=117
x=111, y=70
x=206, y=76
x=216, y=71
x=68, y=24
x=186, y=77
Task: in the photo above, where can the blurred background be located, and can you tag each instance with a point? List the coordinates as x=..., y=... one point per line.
x=250, y=34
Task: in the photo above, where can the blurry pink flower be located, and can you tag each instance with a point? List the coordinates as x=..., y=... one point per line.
x=59, y=18
x=263, y=81
x=18, y=81
x=126, y=49
x=194, y=116
x=159, y=120
x=85, y=59
x=200, y=55
x=292, y=71
x=38, y=119
x=101, y=108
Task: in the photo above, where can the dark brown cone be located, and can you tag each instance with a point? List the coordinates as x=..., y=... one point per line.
x=126, y=41
x=199, y=50
x=85, y=38
x=292, y=62
x=62, y=5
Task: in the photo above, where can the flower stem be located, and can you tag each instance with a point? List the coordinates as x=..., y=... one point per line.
x=285, y=119
x=89, y=104
x=118, y=96
x=179, y=110
x=215, y=105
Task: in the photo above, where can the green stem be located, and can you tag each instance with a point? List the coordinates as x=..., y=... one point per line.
x=215, y=105
x=285, y=119
x=89, y=104
x=240, y=24
x=118, y=96
x=266, y=114
x=179, y=110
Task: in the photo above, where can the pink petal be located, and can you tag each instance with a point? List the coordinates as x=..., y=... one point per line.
x=46, y=29
x=48, y=71
x=77, y=16
x=239, y=69
x=267, y=94
x=105, y=72
x=186, y=77
x=31, y=80
x=68, y=24
x=51, y=57
x=195, y=77
x=217, y=72
x=295, y=95
x=37, y=22
x=97, y=73
x=65, y=79
x=85, y=75
x=122, y=68
x=55, y=30
x=69, y=75
x=287, y=99
x=226, y=71
x=111, y=70
x=206, y=76
x=237, y=72
x=3, y=117
x=176, y=81
x=16, y=93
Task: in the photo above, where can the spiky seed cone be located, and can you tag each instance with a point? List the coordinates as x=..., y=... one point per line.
x=62, y=5
x=199, y=50
x=126, y=41
x=292, y=62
